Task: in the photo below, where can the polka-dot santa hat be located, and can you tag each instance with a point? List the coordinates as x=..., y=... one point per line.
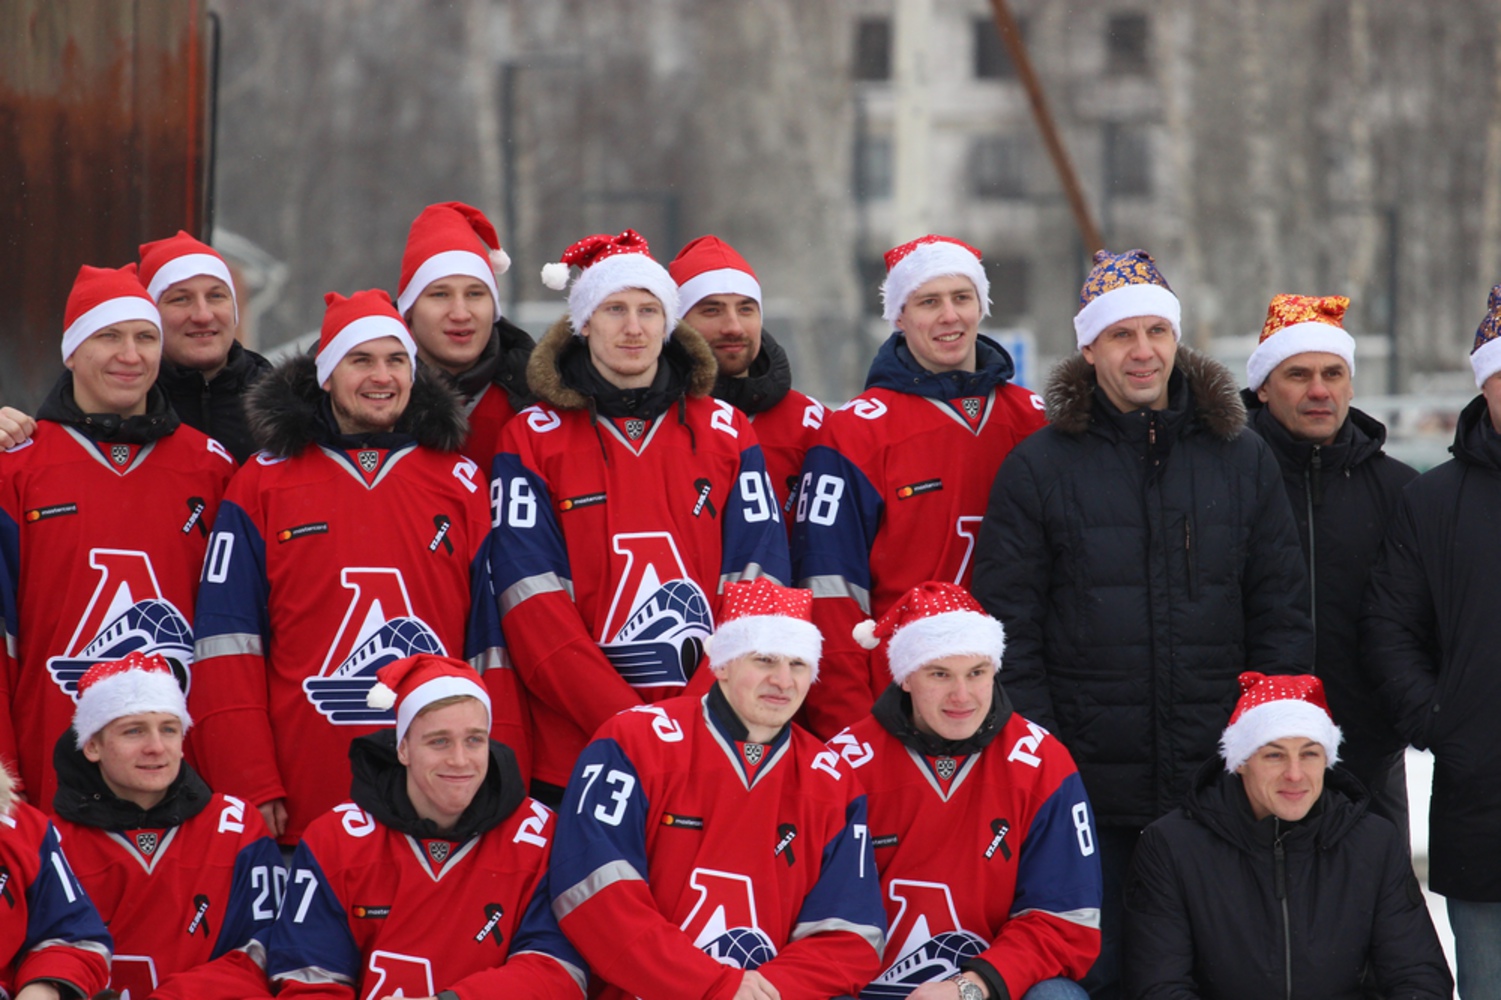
x=134, y=685
x=166, y=262
x=412, y=683
x=102, y=297
x=758, y=616
x=929, y=622
x=914, y=264
x=1297, y=324
x=610, y=264
x=358, y=319
x=448, y=239
x=1274, y=708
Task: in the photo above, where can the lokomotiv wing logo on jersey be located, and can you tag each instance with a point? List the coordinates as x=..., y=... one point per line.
x=126, y=614
x=378, y=628
x=925, y=938
x=723, y=921
x=659, y=617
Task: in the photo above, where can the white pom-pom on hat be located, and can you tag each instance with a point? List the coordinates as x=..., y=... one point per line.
x=555, y=275
x=865, y=634
x=500, y=261
x=381, y=697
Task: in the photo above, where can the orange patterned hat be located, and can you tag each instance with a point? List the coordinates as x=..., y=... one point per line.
x=1297, y=324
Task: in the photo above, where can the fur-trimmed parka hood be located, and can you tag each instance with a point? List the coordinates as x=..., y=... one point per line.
x=687, y=352
x=1217, y=406
x=289, y=411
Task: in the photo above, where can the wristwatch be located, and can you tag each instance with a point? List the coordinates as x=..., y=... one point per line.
x=967, y=989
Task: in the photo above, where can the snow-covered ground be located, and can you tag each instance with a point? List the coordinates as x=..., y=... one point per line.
x=1419, y=780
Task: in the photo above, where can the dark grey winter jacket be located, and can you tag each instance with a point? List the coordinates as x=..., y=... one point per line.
x=1140, y=561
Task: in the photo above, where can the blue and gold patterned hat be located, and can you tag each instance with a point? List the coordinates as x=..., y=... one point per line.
x=1485, y=356
x=1123, y=286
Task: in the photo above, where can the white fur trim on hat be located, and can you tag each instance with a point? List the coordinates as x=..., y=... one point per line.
x=1300, y=338
x=772, y=635
x=191, y=265
x=447, y=264
x=931, y=260
x=423, y=695
x=617, y=273
x=1127, y=302
x=130, y=693
x=1278, y=720
x=362, y=331
x=725, y=281
x=951, y=633
x=1486, y=361
x=106, y=314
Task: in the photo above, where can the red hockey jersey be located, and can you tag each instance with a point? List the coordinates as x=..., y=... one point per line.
x=178, y=898
x=372, y=913
x=990, y=856
x=101, y=547
x=489, y=412
x=612, y=541
x=48, y=927
x=786, y=432
x=320, y=572
x=893, y=495
x=680, y=862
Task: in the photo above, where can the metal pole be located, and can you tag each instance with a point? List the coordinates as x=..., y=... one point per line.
x=1011, y=35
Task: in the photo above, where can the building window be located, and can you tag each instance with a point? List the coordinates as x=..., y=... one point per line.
x=873, y=168
x=1126, y=43
x=873, y=49
x=1128, y=160
x=1010, y=278
x=992, y=58
x=998, y=166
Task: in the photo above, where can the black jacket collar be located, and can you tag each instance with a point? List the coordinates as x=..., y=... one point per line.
x=893, y=710
x=157, y=422
x=765, y=384
x=84, y=798
x=380, y=788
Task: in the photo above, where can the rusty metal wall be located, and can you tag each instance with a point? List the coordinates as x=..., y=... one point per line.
x=103, y=120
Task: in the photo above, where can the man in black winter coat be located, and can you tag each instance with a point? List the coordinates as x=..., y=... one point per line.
x=1141, y=554
x=1272, y=880
x=1343, y=489
x=1429, y=637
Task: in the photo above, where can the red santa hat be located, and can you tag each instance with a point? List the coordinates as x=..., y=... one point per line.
x=117, y=688
x=710, y=266
x=611, y=264
x=414, y=682
x=102, y=297
x=759, y=616
x=929, y=622
x=1275, y=708
x=358, y=319
x=447, y=239
x=1297, y=324
x=912, y=265
x=166, y=262
x=1120, y=287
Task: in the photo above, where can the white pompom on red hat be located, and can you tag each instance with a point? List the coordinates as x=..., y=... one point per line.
x=914, y=264
x=710, y=266
x=759, y=616
x=929, y=622
x=611, y=264
x=450, y=238
x=134, y=685
x=358, y=319
x=1274, y=708
x=102, y=297
x=166, y=262
x=412, y=683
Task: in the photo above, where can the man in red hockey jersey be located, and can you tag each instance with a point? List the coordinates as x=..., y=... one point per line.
x=710, y=848
x=357, y=537
x=982, y=831
x=721, y=299
x=53, y=946
x=104, y=520
x=448, y=297
x=622, y=504
x=433, y=881
x=894, y=491
x=188, y=880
